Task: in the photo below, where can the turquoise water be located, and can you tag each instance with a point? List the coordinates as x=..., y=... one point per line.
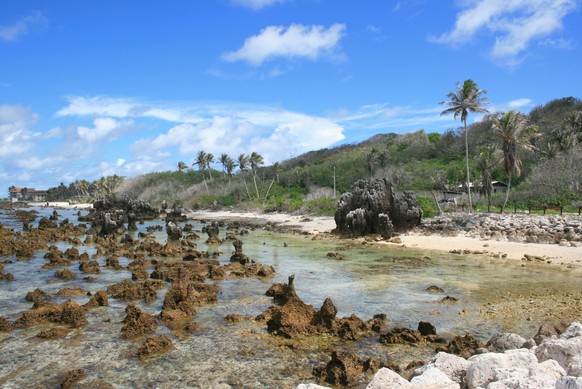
x=369, y=280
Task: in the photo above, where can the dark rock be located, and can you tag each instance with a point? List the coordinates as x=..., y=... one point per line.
x=343, y=369
x=100, y=299
x=465, y=347
x=137, y=323
x=434, y=289
x=238, y=255
x=36, y=296
x=65, y=274
x=72, y=377
x=4, y=325
x=154, y=346
x=53, y=333
x=426, y=328
x=212, y=230
x=399, y=335
x=371, y=207
x=91, y=267
x=127, y=290
x=69, y=313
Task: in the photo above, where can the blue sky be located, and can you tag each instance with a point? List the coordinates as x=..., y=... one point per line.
x=95, y=88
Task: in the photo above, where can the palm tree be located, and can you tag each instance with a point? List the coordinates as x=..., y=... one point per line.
x=467, y=98
x=487, y=160
x=181, y=166
x=201, y=162
x=209, y=161
x=243, y=165
x=223, y=160
x=277, y=169
x=514, y=132
x=256, y=160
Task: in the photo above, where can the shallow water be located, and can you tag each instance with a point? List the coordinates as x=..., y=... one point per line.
x=369, y=280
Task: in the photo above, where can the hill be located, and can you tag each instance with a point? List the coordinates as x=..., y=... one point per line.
x=420, y=161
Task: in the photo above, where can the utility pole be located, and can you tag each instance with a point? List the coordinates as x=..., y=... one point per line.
x=334, y=193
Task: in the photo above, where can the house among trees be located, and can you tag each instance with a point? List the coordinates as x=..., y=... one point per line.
x=499, y=187
x=26, y=194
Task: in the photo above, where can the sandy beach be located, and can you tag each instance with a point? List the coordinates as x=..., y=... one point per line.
x=570, y=257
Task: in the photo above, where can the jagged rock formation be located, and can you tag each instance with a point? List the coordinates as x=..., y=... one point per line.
x=372, y=207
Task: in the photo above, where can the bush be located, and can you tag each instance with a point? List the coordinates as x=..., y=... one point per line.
x=428, y=207
x=324, y=206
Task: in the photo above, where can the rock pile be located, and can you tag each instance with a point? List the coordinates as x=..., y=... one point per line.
x=512, y=362
x=563, y=230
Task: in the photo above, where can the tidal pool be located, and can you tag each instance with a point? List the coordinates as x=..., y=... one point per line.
x=370, y=279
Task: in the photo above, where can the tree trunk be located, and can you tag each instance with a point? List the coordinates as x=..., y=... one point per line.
x=256, y=187
x=467, y=165
x=507, y=193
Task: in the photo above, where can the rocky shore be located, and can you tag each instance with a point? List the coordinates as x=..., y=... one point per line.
x=508, y=361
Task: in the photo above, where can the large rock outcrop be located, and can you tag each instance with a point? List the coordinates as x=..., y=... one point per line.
x=372, y=207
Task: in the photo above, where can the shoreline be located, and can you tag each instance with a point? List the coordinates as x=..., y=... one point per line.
x=565, y=256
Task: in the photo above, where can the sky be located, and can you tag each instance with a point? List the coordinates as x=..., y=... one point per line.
x=100, y=87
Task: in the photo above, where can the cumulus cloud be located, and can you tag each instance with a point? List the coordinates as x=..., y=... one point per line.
x=103, y=129
x=295, y=41
x=515, y=24
x=256, y=4
x=12, y=32
x=16, y=117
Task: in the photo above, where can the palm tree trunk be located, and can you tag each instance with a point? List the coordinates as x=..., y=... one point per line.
x=256, y=187
x=467, y=165
x=246, y=187
x=268, y=190
x=507, y=193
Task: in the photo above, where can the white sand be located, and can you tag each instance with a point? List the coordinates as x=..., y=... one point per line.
x=567, y=256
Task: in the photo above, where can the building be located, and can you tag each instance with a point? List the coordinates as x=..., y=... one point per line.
x=27, y=194
x=498, y=187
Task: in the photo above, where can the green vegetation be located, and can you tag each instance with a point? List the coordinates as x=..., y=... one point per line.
x=542, y=167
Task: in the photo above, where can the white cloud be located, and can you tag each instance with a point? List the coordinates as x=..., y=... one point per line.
x=513, y=23
x=256, y=4
x=294, y=41
x=520, y=103
x=11, y=33
x=104, y=129
x=16, y=117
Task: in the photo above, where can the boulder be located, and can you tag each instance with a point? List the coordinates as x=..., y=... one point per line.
x=386, y=378
x=491, y=367
x=137, y=323
x=154, y=346
x=371, y=207
x=566, y=351
x=433, y=378
x=69, y=313
x=501, y=342
x=452, y=365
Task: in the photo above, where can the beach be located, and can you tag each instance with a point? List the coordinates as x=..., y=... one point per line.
x=566, y=256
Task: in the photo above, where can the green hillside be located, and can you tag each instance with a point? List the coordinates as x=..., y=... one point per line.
x=423, y=161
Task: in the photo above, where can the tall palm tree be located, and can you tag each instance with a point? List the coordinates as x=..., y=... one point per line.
x=256, y=160
x=201, y=162
x=514, y=132
x=209, y=162
x=467, y=98
x=276, y=170
x=243, y=165
x=223, y=160
x=487, y=160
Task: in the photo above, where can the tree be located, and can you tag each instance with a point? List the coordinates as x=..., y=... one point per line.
x=181, y=166
x=487, y=160
x=467, y=98
x=243, y=165
x=256, y=160
x=223, y=161
x=513, y=132
x=276, y=170
x=201, y=161
x=208, y=163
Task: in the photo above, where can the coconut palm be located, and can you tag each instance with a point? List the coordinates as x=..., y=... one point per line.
x=181, y=166
x=467, y=98
x=256, y=160
x=223, y=160
x=276, y=170
x=513, y=132
x=487, y=160
x=209, y=162
x=243, y=165
x=201, y=160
